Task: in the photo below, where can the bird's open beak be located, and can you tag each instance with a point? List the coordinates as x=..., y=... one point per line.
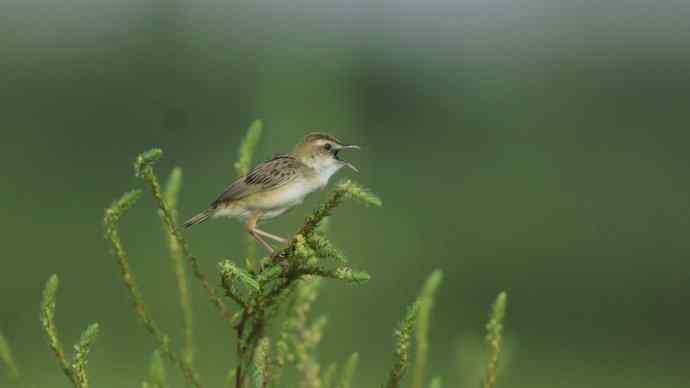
x=348, y=147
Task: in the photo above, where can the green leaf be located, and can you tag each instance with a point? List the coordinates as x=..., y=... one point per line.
x=349, y=371
x=402, y=346
x=7, y=359
x=329, y=375
x=494, y=336
x=247, y=147
x=228, y=269
x=173, y=186
x=157, y=374
x=118, y=207
x=426, y=302
x=145, y=160
x=358, y=192
x=82, y=350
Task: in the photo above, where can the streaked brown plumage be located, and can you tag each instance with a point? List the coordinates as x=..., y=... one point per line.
x=277, y=185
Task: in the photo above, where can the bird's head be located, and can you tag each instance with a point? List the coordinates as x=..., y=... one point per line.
x=322, y=153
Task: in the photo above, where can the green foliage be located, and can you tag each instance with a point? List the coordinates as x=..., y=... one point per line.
x=353, y=190
x=144, y=162
x=321, y=247
x=329, y=376
x=230, y=271
x=341, y=273
x=82, y=350
x=143, y=168
x=436, y=383
x=494, y=335
x=115, y=211
x=157, y=375
x=242, y=167
x=348, y=371
x=302, y=250
x=426, y=302
x=302, y=337
x=48, y=321
x=279, y=290
x=402, y=346
x=247, y=147
x=76, y=370
x=229, y=380
x=342, y=191
x=262, y=363
x=112, y=218
x=172, y=190
x=111, y=221
x=258, y=291
x=7, y=359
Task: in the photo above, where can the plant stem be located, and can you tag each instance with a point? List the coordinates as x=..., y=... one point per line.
x=49, y=328
x=426, y=302
x=8, y=360
x=112, y=217
x=172, y=190
x=494, y=337
x=144, y=168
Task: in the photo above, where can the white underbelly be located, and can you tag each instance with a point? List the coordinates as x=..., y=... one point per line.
x=271, y=204
x=232, y=212
x=284, y=197
x=267, y=215
x=243, y=214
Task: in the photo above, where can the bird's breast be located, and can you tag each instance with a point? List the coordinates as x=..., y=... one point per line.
x=286, y=196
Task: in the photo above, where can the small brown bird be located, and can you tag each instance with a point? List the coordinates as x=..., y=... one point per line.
x=277, y=185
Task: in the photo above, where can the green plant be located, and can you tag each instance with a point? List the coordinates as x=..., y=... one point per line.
x=494, y=337
x=8, y=360
x=75, y=370
x=276, y=291
x=426, y=302
x=157, y=376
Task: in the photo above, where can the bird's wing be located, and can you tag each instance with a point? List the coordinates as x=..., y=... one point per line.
x=266, y=176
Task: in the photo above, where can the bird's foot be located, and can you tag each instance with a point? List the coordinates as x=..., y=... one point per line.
x=273, y=237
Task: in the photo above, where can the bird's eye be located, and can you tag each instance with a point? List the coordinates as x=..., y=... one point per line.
x=328, y=146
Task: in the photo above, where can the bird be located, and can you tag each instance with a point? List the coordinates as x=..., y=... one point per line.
x=277, y=185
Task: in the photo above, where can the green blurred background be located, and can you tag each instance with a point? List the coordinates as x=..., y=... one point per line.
x=535, y=147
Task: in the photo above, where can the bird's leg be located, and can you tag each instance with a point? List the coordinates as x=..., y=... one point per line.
x=261, y=241
x=272, y=236
x=251, y=228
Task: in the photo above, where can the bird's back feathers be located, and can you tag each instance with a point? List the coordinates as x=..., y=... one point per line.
x=266, y=176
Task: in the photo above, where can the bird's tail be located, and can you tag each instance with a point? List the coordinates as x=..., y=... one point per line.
x=199, y=218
